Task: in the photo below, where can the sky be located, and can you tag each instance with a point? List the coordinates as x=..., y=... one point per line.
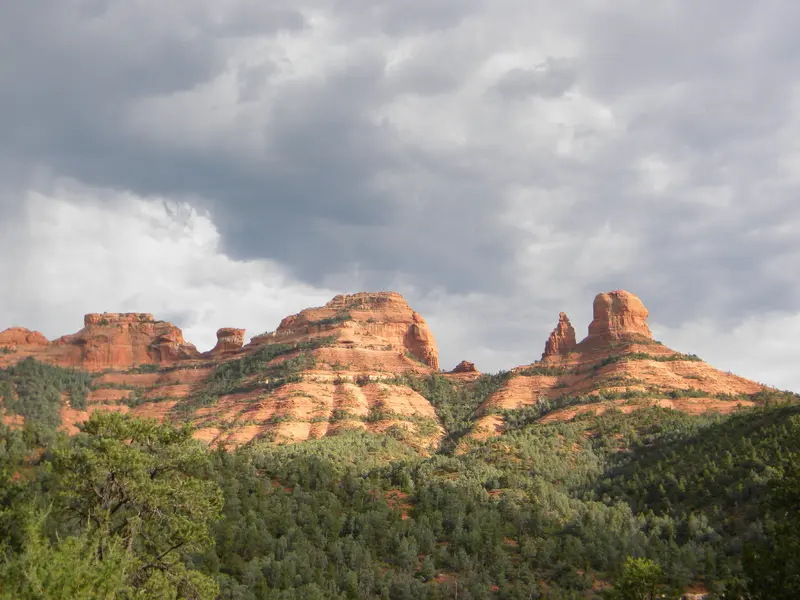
x=231, y=162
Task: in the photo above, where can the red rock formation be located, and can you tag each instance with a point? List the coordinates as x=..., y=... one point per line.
x=116, y=319
x=367, y=340
x=617, y=315
x=465, y=367
x=561, y=340
x=19, y=336
x=379, y=320
x=657, y=374
x=120, y=341
x=419, y=341
x=228, y=340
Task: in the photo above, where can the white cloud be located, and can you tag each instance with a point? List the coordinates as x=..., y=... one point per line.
x=521, y=156
x=72, y=252
x=764, y=347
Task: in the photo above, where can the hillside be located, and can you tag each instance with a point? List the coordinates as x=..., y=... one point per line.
x=617, y=365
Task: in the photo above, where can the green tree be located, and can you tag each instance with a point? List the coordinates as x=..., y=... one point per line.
x=68, y=568
x=772, y=567
x=138, y=483
x=641, y=579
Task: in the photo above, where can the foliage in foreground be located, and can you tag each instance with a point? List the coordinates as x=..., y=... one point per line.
x=127, y=500
x=624, y=506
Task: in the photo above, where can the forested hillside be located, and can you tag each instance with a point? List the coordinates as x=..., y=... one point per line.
x=617, y=505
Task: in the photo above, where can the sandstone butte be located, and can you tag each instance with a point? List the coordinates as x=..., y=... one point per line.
x=465, y=367
x=339, y=366
x=463, y=373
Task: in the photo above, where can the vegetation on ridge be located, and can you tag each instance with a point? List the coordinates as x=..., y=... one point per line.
x=34, y=390
x=616, y=505
x=231, y=376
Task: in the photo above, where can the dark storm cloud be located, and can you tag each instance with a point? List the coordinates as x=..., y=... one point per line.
x=708, y=90
x=315, y=200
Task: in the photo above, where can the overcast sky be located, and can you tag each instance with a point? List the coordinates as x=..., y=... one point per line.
x=229, y=162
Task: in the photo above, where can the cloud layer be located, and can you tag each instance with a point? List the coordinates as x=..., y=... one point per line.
x=494, y=161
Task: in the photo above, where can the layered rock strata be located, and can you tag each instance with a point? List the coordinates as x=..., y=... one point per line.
x=617, y=315
x=228, y=340
x=370, y=321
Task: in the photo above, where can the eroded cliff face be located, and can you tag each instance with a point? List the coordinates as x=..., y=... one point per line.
x=19, y=336
x=377, y=322
x=107, y=341
x=618, y=315
x=120, y=341
x=229, y=340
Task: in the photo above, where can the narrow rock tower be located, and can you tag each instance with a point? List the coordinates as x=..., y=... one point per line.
x=561, y=340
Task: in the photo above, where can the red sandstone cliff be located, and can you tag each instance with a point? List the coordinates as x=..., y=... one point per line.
x=19, y=336
x=370, y=321
x=228, y=340
x=618, y=315
x=107, y=341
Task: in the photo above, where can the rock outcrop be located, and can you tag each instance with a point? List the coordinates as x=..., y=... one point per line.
x=618, y=315
x=465, y=367
x=618, y=365
x=562, y=339
x=420, y=343
x=121, y=341
x=19, y=336
x=228, y=340
x=370, y=321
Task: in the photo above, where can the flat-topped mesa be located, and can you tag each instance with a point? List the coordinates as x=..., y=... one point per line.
x=228, y=340
x=367, y=300
x=618, y=315
x=121, y=341
x=465, y=367
x=562, y=339
x=116, y=318
x=367, y=320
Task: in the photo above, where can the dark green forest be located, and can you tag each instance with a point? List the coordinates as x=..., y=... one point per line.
x=636, y=506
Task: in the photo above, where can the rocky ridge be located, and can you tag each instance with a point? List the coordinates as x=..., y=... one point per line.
x=321, y=371
x=346, y=365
